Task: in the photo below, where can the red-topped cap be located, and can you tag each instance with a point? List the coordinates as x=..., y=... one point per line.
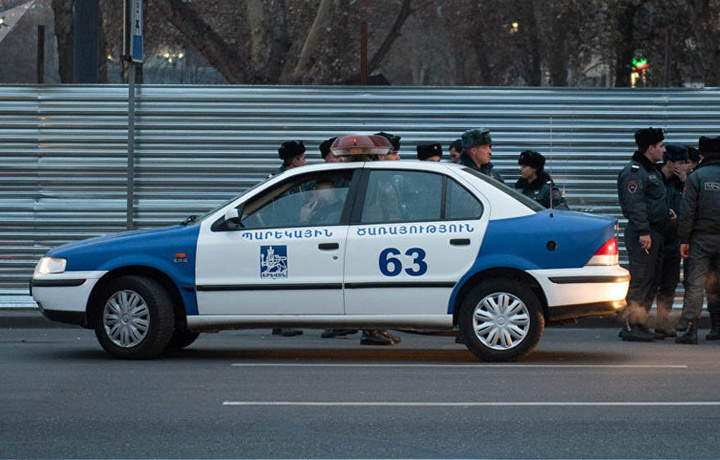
x=360, y=145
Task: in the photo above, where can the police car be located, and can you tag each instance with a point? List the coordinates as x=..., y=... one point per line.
x=359, y=244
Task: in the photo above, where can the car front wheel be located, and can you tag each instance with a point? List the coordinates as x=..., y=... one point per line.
x=134, y=318
x=501, y=320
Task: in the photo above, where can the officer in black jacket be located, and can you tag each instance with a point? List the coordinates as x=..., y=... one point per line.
x=535, y=183
x=674, y=173
x=477, y=149
x=699, y=232
x=643, y=199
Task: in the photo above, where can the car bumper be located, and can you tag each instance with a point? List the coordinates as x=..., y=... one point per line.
x=583, y=292
x=64, y=297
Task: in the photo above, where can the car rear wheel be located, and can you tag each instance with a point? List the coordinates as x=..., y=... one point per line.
x=501, y=320
x=135, y=318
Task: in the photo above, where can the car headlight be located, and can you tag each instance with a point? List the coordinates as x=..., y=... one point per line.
x=48, y=265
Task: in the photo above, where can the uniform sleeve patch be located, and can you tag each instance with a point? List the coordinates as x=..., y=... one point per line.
x=712, y=186
x=632, y=186
x=635, y=167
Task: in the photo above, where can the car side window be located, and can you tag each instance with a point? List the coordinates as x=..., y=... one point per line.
x=314, y=200
x=402, y=196
x=461, y=204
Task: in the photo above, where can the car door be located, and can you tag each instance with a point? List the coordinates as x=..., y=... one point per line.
x=286, y=258
x=415, y=235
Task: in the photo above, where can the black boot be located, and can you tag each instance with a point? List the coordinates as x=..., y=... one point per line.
x=714, y=333
x=633, y=333
x=690, y=336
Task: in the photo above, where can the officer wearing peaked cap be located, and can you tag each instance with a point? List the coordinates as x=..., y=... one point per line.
x=643, y=200
x=699, y=233
x=535, y=183
x=477, y=149
x=429, y=152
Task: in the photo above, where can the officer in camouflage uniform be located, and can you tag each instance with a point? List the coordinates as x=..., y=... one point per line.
x=699, y=232
x=643, y=199
x=477, y=149
x=535, y=183
x=674, y=174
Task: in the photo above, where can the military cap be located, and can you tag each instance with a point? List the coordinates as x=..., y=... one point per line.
x=533, y=159
x=648, y=136
x=675, y=152
x=709, y=145
x=425, y=151
x=291, y=149
x=456, y=144
x=693, y=154
x=393, y=139
x=474, y=137
x=325, y=147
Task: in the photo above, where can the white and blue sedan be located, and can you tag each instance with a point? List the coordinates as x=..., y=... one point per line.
x=401, y=245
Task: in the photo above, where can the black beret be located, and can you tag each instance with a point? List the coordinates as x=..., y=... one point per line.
x=693, y=154
x=675, y=152
x=709, y=145
x=393, y=139
x=457, y=145
x=425, y=151
x=291, y=149
x=533, y=159
x=648, y=136
x=325, y=147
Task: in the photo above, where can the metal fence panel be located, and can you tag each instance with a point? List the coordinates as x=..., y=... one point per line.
x=64, y=148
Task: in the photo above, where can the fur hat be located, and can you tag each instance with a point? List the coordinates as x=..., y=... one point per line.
x=675, y=152
x=393, y=139
x=709, y=145
x=648, y=136
x=474, y=137
x=693, y=154
x=291, y=149
x=533, y=159
x=325, y=147
x=425, y=151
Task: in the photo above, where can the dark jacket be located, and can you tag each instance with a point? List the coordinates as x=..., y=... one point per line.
x=674, y=190
x=487, y=169
x=542, y=190
x=700, y=206
x=642, y=195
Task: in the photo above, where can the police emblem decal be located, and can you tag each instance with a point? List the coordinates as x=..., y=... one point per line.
x=273, y=262
x=632, y=186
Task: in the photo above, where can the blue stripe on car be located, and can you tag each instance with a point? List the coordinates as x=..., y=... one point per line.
x=521, y=243
x=148, y=248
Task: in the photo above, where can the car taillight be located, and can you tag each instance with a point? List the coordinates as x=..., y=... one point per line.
x=607, y=254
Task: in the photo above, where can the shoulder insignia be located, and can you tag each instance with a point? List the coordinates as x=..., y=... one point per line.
x=632, y=186
x=635, y=167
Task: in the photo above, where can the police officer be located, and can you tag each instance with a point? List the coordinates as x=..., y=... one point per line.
x=326, y=154
x=429, y=152
x=455, y=150
x=674, y=174
x=292, y=153
x=394, y=154
x=694, y=157
x=535, y=183
x=699, y=232
x=477, y=149
x=643, y=199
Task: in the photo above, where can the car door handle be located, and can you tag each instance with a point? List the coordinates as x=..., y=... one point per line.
x=328, y=246
x=460, y=241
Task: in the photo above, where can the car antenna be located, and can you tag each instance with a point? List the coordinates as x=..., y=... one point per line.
x=551, y=164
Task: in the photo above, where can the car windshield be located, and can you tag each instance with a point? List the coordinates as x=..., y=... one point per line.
x=527, y=201
x=225, y=203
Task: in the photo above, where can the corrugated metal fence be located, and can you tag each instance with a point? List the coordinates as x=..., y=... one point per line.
x=64, y=148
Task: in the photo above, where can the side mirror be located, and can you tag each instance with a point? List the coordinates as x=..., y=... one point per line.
x=233, y=217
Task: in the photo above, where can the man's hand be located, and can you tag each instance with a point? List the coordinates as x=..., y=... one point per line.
x=646, y=242
x=680, y=172
x=308, y=210
x=685, y=250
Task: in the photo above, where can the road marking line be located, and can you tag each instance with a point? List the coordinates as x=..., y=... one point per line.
x=474, y=404
x=471, y=366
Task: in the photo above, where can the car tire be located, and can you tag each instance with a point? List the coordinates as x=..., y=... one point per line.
x=501, y=320
x=182, y=338
x=134, y=318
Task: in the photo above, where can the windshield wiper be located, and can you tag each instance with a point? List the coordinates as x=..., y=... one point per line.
x=189, y=220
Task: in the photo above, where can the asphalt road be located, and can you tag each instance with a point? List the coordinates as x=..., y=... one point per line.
x=245, y=394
